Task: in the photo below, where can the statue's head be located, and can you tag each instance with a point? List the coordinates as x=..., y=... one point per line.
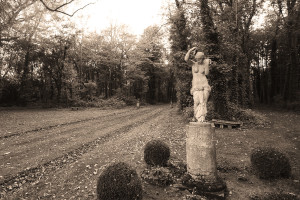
x=199, y=56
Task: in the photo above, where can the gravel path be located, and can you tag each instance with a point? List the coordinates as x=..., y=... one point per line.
x=36, y=161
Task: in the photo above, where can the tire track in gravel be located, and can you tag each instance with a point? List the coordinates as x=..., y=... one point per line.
x=58, y=125
x=65, y=183
x=79, y=125
x=40, y=147
x=35, y=173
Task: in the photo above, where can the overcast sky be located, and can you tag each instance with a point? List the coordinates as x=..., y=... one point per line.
x=137, y=14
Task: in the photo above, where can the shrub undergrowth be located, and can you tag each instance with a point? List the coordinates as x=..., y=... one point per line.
x=113, y=102
x=236, y=113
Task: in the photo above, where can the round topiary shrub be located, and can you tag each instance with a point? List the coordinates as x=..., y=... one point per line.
x=156, y=153
x=276, y=196
x=119, y=182
x=269, y=163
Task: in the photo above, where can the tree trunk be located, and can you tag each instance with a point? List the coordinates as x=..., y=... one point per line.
x=210, y=32
x=24, y=87
x=274, y=69
x=217, y=80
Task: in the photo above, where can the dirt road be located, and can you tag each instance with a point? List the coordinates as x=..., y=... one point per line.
x=63, y=160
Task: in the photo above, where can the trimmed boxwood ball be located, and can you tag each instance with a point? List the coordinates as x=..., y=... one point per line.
x=156, y=153
x=276, y=196
x=119, y=182
x=269, y=163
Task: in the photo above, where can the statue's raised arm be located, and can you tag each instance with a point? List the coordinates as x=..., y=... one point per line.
x=187, y=56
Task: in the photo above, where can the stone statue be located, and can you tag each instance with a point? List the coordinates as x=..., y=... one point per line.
x=200, y=88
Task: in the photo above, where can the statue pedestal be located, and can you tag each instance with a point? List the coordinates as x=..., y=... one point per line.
x=201, y=151
x=201, y=158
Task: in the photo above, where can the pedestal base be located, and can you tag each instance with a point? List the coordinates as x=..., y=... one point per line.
x=210, y=190
x=202, y=186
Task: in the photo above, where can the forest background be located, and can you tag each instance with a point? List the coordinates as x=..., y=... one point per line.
x=46, y=60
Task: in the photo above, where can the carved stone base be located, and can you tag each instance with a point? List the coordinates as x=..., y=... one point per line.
x=204, y=186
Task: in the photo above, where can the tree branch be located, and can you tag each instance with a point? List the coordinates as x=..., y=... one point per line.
x=290, y=5
x=253, y=10
x=220, y=3
x=280, y=8
x=12, y=15
x=279, y=3
x=177, y=3
x=7, y=39
x=59, y=11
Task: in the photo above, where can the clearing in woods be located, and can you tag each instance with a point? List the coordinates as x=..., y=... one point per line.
x=59, y=153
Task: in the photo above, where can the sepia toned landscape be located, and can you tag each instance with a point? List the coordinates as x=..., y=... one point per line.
x=161, y=99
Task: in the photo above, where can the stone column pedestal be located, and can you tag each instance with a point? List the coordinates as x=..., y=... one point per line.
x=201, y=151
x=201, y=158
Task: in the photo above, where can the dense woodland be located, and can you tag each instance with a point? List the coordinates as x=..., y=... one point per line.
x=47, y=60
x=250, y=65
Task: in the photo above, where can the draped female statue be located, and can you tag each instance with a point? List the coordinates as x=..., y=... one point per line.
x=200, y=88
